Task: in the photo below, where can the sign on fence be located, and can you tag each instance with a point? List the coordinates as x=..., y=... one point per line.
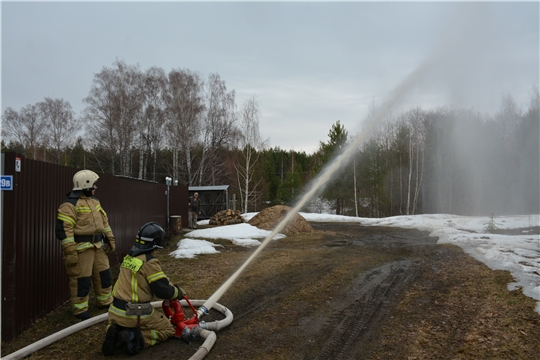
x=7, y=182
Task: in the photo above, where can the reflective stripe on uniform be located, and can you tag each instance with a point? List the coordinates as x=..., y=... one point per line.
x=103, y=298
x=80, y=306
x=155, y=277
x=84, y=209
x=113, y=309
x=134, y=287
x=83, y=246
x=114, y=289
x=154, y=336
x=99, y=208
x=66, y=218
x=68, y=240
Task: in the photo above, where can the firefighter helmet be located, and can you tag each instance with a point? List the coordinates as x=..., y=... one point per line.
x=150, y=236
x=84, y=180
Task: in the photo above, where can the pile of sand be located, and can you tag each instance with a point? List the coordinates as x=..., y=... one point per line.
x=268, y=218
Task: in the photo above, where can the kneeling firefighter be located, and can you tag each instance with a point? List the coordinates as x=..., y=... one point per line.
x=133, y=322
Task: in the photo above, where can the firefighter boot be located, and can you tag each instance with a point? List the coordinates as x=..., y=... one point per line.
x=111, y=339
x=133, y=339
x=83, y=316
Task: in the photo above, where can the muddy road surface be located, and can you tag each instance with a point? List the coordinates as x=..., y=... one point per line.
x=343, y=292
x=316, y=296
x=353, y=292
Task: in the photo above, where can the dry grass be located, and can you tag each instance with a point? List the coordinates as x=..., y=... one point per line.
x=455, y=308
x=462, y=310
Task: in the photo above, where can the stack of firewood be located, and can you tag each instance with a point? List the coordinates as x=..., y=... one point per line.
x=227, y=217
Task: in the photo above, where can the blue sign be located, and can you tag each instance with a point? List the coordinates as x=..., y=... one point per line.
x=7, y=182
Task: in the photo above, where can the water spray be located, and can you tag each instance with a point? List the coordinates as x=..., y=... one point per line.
x=205, y=330
x=321, y=181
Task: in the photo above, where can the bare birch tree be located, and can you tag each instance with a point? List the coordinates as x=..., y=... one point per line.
x=130, y=82
x=184, y=107
x=13, y=130
x=27, y=129
x=219, y=130
x=250, y=142
x=114, y=107
x=62, y=127
x=414, y=128
x=152, y=121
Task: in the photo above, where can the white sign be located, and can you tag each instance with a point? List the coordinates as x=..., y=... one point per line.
x=18, y=164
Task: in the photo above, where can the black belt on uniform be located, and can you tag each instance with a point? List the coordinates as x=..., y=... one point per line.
x=121, y=304
x=88, y=238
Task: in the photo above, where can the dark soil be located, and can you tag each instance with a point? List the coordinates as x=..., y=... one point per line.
x=343, y=292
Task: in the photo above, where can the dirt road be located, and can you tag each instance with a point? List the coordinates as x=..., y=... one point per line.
x=352, y=292
x=342, y=292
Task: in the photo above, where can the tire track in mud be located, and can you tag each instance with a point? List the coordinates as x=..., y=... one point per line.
x=269, y=289
x=325, y=297
x=351, y=318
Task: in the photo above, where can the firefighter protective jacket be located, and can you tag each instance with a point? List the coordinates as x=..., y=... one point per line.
x=80, y=223
x=140, y=280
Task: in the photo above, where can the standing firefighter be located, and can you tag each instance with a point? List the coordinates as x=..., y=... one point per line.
x=133, y=322
x=194, y=210
x=83, y=228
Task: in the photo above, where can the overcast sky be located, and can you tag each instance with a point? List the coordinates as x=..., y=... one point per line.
x=309, y=64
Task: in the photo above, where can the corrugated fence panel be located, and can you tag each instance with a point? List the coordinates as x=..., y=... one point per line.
x=9, y=211
x=178, y=203
x=132, y=203
x=34, y=281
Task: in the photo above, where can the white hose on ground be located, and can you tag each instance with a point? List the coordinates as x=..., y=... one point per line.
x=215, y=325
x=205, y=334
x=210, y=339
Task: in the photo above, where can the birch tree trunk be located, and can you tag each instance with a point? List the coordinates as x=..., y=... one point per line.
x=411, y=156
x=420, y=176
x=250, y=142
x=185, y=105
x=141, y=162
x=355, y=189
x=247, y=178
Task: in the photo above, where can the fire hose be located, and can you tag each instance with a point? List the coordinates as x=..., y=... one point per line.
x=172, y=309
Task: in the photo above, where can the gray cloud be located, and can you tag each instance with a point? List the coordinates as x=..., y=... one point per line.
x=309, y=63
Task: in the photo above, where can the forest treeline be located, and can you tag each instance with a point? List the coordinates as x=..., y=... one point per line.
x=152, y=124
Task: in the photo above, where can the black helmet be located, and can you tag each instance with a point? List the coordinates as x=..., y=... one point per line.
x=150, y=236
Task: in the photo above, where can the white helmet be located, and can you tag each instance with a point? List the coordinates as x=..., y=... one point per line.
x=84, y=180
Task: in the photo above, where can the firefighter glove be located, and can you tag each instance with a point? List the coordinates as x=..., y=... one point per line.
x=111, y=247
x=181, y=292
x=72, y=259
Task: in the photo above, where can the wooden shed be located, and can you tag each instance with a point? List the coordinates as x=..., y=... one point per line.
x=213, y=199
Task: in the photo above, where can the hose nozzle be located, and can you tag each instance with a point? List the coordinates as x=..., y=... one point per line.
x=202, y=311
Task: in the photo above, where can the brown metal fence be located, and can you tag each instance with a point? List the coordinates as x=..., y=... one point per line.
x=34, y=280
